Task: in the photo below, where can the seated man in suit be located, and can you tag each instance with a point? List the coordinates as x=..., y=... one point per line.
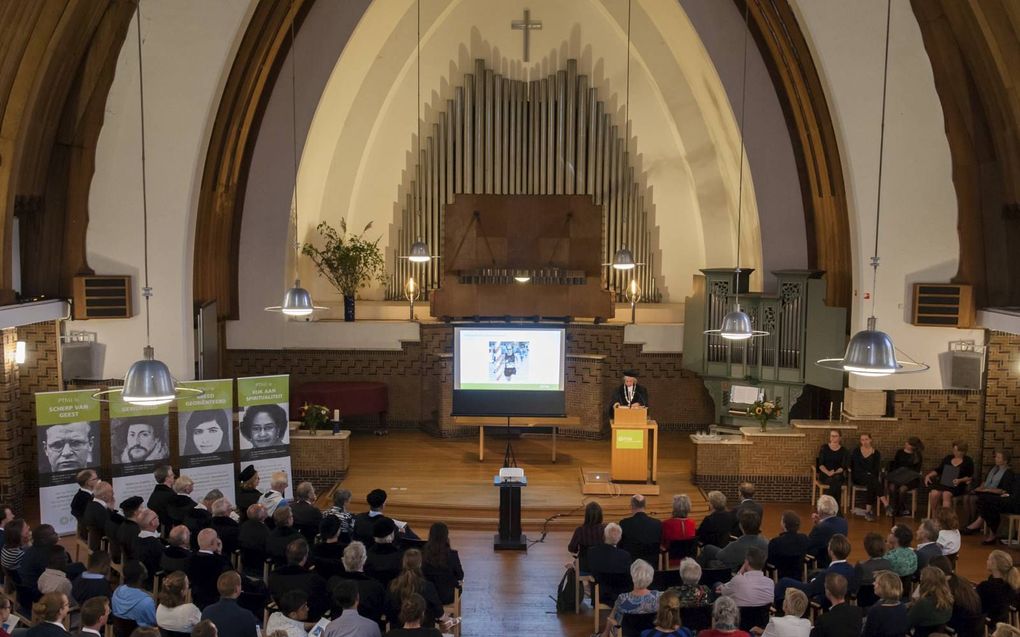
x=732, y=556
x=839, y=550
x=55, y=608
x=230, y=619
x=129, y=527
x=715, y=528
x=750, y=587
x=97, y=513
x=226, y=526
x=608, y=560
x=87, y=480
x=642, y=535
x=842, y=619
x=251, y=539
x=206, y=567
x=95, y=582
x=180, y=504
x=826, y=525
x=306, y=516
x=130, y=600
x=282, y=534
x=94, y=615
x=200, y=517
x=747, y=503
x=161, y=494
x=927, y=547
x=296, y=575
x=177, y=554
x=371, y=594
x=787, y=550
x=148, y=547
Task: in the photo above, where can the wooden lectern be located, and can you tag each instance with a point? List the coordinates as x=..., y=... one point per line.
x=633, y=459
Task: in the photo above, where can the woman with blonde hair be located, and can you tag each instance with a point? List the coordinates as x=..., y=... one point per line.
x=934, y=604
x=1002, y=629
x=174, y=611
x=792, y=623
x=999, y=591
x=667, y=620
x=887, y=618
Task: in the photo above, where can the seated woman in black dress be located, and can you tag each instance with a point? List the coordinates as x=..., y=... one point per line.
x=997, y=483
x=951, y=478
x=441, y=564
x=865, y=468
x=831, y=464
x=904, y=476
x=587, y=535
x=999, y=591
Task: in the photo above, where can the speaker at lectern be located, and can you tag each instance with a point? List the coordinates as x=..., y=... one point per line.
x=632, y=456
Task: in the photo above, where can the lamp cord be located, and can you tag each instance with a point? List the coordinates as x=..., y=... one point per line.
x=881, y=155
x=293, y=132
x=626, y=115
x=417, y=114
x=740, y=181
x=146, y=291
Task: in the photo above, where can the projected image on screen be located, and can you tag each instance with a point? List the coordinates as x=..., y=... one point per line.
x=508, y=361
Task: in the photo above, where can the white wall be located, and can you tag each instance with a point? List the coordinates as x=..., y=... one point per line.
x=918, y=238
x=188, y=47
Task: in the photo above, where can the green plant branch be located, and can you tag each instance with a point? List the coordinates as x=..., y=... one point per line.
x=347, y=261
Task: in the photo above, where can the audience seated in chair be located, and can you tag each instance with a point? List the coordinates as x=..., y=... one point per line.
x=230, y=619
x=38, y=556
x=251, y=539
x=348, y=621
x=384, y=556
x=129, y=527
x=839, y=550
x=1000, y=590
x=927, y=548
x=967, y=619
x=306, y=515
x=87, y=480
x=295, y=575
x=732, y=555
x=639, y=600
x=887, y=617
x=274, y=497
x=180, y=504
x=831, y=465
x=205, y=628
x=412, y=616
x=865, y=570
x=866, y=471
x=291, y=616
x=948, y=538
x=148, y=547
x=341, y=498
x=691, y=592
x=94, y=615
x=902, y=559
x=364, y=523
x=716, y=527
x=248, y=491
x=130, y=601
x=371, y=594
x=667, y=619
x=934, y=604
x=842, y=619
x=750, y=587
x=161, y=494
x=54, y=579
x=957, y=463
x=205, y=569
x=590, y=533
x=327, y=554
x=200, y=517
x=225, y=522
x=792, y=622
x=642, y=534
x=679, y=528
x=17, y=538
x=725, y=620
x=411, y=581
x=607, y=558
x=787, y=550
x=177, y=554
x=97, y=513
x=441, y=564
x=747, y=503
x=282, y=534
x=826, y=524
x=95, y=581
x=52, y=609
x=997, y=483
x=174, y=611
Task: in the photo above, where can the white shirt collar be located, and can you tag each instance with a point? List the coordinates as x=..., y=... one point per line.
x=837, y=562
x=206, y=551
x=86, y=629
x=919, y=546
x=104, y=505
x=144, y=533
x=88, y=491
x=57, y=624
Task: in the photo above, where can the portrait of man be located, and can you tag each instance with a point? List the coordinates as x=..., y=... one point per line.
x=140, y=439
x=263, y=426
x=68, y=447
x=207, y=431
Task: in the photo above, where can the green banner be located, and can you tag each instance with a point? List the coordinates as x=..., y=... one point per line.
x=263, y=390
x=216, y=394
x=630, y=438
x=121, y=409
x=55, y=408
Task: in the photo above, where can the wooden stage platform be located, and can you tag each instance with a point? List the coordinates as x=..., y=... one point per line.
x=430, y=479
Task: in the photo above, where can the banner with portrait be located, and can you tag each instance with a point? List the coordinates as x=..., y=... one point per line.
x=67, y=427
x=205, y=436
x=139, y=442
x=265, y=437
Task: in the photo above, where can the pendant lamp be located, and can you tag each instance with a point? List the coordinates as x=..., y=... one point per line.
x=148, y=382
x=297, y=301
x=736, y=324
x=871, y=352
x=419, y=252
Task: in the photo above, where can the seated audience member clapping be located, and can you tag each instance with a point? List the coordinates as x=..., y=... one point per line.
x=174, y=612
x=999, y=591
x=587, y=535
x=787, y=550
x=412, y=614
x=679, y=527
x=95, y=581
x=667, y=619
x=725, y=620
x=291, y=616
x=948, y=538
x=441, y=564
x=888, y=617
x=715, y=528
x=826, y=524
x=691, y=592
x=898, y=553
x=934, y=604
x=750, y=587
x=638, y=601
x=411, y=581
x=130, y=600
x=874, y=546
x=733, y=554
x=841, y=618
x=792, y=623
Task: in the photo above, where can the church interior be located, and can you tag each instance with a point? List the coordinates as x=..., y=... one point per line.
x=682, y=259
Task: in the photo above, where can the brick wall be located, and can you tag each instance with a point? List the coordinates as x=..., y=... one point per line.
x=1002, y=395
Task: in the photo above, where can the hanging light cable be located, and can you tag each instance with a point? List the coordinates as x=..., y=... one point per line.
x=297, y=301
x=871, y=352
x=148, y=382
x=623, y=259
x=736, y=324
x=419, y=252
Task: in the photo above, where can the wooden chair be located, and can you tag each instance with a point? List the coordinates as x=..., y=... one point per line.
x=818, y=488
x=454, y=610
x=607, y=587
x=1012, y=528
x=580, y=580
x=633, y=624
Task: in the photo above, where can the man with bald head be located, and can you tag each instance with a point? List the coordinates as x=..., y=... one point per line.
x=642, y=534
x=177, y=556
x=205, y=568
x=226, y=526
x=148, y=547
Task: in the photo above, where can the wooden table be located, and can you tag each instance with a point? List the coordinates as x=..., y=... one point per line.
x=514, y=422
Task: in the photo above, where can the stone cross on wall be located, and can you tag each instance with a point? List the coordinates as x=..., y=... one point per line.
x=526, y=25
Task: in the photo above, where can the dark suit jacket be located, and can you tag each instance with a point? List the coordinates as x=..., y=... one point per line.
x=46, y=629
x=149, y=551
x=619, y=396
x=197, y=520
x=246, y=498
x=306, y=519
x=447, y=577
x=178, y=507
x=925, y=554
x=642, y=536
x=746, y=505
x=816, y=587
x=96, y=516
x=277, y=541
x=33, y=563
x=229, y=532
x=291, y=577
x=204, y=570
x=158, y=501
x=83, y=589
x=786, y=553
x=175, y=558
x=127, y=533
x=715, y=528
x=385, y=561
x=79, y=502
x=603, y=558
x=371, y=594
x=843, y=620
x=363, y=525
x=821, y=533
x=231, y=620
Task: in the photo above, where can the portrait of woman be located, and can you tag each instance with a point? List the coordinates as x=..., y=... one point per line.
x=207, y=431
x=263, y=426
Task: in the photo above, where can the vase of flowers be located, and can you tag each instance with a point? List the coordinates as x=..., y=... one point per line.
x=313, y=417
x=348, y=261
x=765, y=410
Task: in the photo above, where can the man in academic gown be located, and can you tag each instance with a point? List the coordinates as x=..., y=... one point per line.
x=630, y=394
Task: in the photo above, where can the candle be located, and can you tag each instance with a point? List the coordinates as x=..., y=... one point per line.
x=336, y=415
x=831, y=405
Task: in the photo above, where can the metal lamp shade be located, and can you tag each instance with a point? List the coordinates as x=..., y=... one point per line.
x=623, y=260
x=148, y=382
x=870, y=353
x=297, y=301
x=736, y=326
x=419, y=252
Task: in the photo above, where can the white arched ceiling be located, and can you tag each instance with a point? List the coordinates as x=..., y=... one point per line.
x=684, y=132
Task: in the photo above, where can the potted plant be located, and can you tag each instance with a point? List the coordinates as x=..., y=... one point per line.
x=765, y=410
x=313, y=417
x=348, y=261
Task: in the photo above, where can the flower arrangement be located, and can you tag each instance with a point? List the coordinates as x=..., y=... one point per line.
x=765, y=410
x=314, y=416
